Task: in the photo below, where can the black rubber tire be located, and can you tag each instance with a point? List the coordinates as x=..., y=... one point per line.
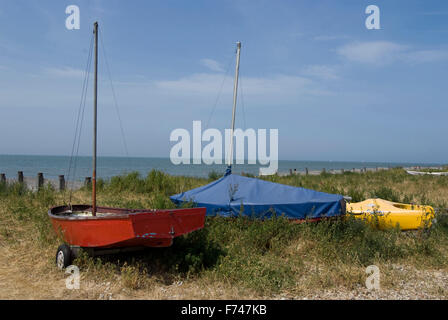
x=63, y=256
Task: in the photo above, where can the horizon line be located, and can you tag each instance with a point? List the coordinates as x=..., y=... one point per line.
x=224, y=162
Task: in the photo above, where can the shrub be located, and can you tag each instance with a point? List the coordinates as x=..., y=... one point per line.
x=386, y=193
x=213, y=175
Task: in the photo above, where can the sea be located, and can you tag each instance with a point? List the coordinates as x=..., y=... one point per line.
x=107, y=167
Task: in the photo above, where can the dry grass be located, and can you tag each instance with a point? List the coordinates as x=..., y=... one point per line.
x=238, y=259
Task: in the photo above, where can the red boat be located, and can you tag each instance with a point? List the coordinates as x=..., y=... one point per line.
x=120, y=229
x=113, y=227
x=105, y=230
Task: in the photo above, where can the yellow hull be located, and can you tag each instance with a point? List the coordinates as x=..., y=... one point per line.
x=386, y=214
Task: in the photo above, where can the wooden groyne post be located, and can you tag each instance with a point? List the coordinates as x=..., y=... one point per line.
x=20, y=176
x=40, y=180
x=61, y=182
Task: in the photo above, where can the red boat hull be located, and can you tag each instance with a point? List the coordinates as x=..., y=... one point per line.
x=123, y=227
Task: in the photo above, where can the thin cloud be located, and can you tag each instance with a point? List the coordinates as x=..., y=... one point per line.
x=427, y=56
x=213, y=65
x=435, y=13
x=64, y=72
x=297, y=34
x=260, y=88
x=385, y=52
x=375, y=52
x=330, y=38
x=321, y=71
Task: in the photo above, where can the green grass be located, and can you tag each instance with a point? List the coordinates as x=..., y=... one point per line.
x=269, y=256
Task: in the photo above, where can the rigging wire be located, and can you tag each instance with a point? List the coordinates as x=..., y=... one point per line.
x=80, y=117
x=79, y=136
x=219, y=92
x=80, y=113
x=114, y=95
x=240, y=84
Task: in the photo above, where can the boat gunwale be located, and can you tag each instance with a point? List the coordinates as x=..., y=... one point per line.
x=124, y=214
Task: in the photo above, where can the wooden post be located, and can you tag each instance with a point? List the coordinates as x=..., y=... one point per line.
x=88, y=181
x=290, y=172
x=2, y=178
x=40, y=180
x=323, y=170
x=20, y=176
x=365, y=169
x=306, y=171
x=342, y=171
x=61, y=182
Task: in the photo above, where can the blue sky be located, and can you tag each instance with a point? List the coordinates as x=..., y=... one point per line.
x=335, y=90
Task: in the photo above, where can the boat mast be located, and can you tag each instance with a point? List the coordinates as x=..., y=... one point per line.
x=95, y=87
x=235, y=92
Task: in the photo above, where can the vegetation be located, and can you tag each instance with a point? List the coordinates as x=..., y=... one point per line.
x=442, y=169
x=268, y=257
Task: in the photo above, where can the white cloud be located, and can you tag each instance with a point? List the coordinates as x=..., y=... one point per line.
x=64, y=72
x=375, y=52
x=213, y=65
x=322, y=72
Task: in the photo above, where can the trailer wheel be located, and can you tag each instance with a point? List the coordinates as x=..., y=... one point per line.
x=63, y=256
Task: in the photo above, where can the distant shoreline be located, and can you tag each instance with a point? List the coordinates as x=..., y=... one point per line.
x=53, y=166
x=224, y=160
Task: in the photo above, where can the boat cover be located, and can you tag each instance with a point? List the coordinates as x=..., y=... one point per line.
x=233, y=195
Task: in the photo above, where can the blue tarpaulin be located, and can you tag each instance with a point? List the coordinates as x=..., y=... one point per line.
x=234, y=194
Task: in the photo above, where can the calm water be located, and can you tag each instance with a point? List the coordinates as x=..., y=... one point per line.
x=52, y=166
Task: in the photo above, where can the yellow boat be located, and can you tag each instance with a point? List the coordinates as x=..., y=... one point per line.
x=386, y=214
